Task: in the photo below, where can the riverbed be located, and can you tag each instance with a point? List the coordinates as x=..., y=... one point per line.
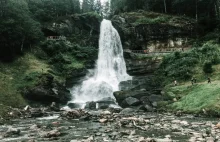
x=108, y=126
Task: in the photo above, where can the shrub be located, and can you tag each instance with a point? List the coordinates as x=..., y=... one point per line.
x=207, y=67
x=182, y=65
x=66, y=57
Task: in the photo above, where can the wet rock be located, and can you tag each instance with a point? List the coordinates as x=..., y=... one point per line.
x=145, y=100
x=50, y=134
x=54, y=106
x=103, y=120
x=34, y=127
x=217, y=126
x=130, y=101
x=12, y=131
x=128, y=111
x=95, y=113
x=15, y=113
x=26, y=108
x=155, y=98
x=107, y=100
x=106, y=112
x=31, y=141
x=85, y=117
x=73, y=114
x=36, y=112
x=185, y=123
x=90, y=105
x=122, y=95
x=148, y=108
x=103, y=106
x=210, y=139
x=75, y=141
x=154, y=104
x=48, y=90
x=164, y=140
x=74, y=105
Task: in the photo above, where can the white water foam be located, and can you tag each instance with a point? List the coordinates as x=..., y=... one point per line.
x=110, y=69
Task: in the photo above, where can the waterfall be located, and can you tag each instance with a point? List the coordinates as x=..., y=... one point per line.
x=110, y=68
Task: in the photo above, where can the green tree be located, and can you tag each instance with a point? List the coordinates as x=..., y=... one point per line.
x=17, y=29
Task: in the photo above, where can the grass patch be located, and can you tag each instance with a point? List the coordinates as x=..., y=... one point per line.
x=16, y=75
x=195, y=98
x=157, y=20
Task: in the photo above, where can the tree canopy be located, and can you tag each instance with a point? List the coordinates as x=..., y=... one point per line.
x=17, y=29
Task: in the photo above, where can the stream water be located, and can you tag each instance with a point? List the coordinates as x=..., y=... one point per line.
x=118, y=128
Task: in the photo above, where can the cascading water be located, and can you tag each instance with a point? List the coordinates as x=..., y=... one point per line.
x=110, y=69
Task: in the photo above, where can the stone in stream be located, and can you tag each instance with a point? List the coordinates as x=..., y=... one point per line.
x=103, y=106
x=12, y=131
x=73, y=114
x=128, y=111
x=145, y=100
x=154, y=104
x=210, y=139
x=50, y=134
x=164, y=140
x=74, y=105
x=148, y=108
x=36, y=112
x=90, y=105
x=103, y=120
x=130, y=101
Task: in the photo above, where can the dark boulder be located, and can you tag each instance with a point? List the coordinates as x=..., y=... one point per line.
x=130, y=101
x=148, y=108
x=145, y=100
x=35, y=112
x=122, y=95
x=75, y=77
x=90, y=105
x=103, y=106
x=128, y=111
x=74, y=105
x=47, y=90
x=155, y=98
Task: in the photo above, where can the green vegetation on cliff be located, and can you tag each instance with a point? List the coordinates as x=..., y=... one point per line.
x=66, y=57
x=15, y=76
x=184, y=65
x=199, y=63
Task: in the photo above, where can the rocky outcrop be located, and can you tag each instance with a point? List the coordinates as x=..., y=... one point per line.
x=152, y=32
x=142, y=92
x=76, y=76
x=47, y=90
x=142, y=30
x=85, y=28
x=138, y=65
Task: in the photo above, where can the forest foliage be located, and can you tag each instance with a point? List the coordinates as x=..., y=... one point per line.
x=21, y=21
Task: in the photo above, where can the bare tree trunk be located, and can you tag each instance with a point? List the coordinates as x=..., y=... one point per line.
x=217, y=9
x=196, y=10
x=22, y=44
x=165, y=6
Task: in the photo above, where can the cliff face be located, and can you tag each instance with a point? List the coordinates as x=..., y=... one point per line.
x=82, y=29
x=141, y=30
x=153, y=32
